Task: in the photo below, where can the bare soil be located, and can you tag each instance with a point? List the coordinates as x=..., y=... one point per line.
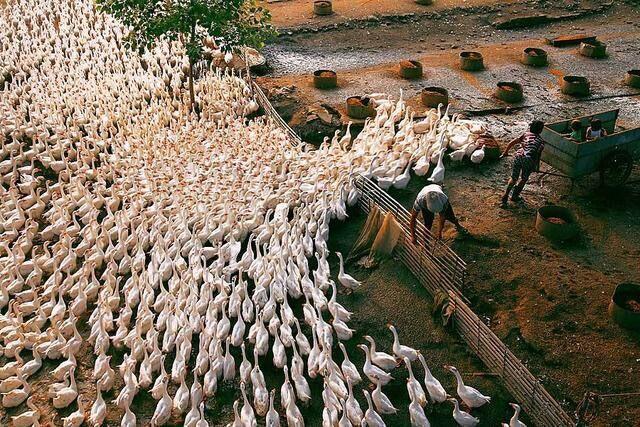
x=294, y=13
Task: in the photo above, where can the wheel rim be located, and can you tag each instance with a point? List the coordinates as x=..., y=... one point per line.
x=616, y=169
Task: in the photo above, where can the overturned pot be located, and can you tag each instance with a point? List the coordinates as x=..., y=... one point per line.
x=322, y=7
x=359, y=107
x=471, y=61
x=624, y=307
x=575, y=86
x=556, y=223
x=593, y=49
x=633, y=78
x=433, y=96
x=410, y=69
x=325, y=79
x=535, y=57
x=510, y=92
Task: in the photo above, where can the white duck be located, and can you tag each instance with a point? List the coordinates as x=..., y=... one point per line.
x=98, y=411
x=469, y=395
x=514, y=421
x=75, y=419
x=371, y=417
x=463, y=418
x=349, y=370
x=374, y=373
x=416, y=393
x=402, y=351
x=27, y=418
x=16, y=396
x=346, y=280
x=437, y=176
x=272, y=419
x=382, y=402
x=435, y=390
x=380, y=358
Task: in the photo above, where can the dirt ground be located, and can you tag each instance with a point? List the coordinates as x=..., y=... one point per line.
x=293, y=13
x=547, y=301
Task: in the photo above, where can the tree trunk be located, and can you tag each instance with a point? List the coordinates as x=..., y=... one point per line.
x=191, y=91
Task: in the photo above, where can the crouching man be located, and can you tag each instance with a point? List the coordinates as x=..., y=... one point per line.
x=431, y=201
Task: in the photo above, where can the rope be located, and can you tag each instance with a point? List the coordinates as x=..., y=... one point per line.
x=605, y=396
x=587, y=409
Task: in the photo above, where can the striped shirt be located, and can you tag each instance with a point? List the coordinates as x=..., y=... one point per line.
x=531, y=146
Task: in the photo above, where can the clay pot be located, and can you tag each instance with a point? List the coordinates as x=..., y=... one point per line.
x=619, y=306
x=433, y=96
x=325, y=79
x=471, y=61
x=556, y=223
x=360, y=108
x=633, y=78
x=510, y=92
x=410, y=69
x=575, y=86
x=322, y=7
x=535, y=57
x=593, y=49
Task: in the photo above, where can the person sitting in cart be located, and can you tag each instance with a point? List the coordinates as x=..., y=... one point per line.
x=525, y=161
x=577, y=132
x=431, y=201
x=595, y=130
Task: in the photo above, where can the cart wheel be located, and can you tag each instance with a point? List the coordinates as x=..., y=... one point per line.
x=615, y=169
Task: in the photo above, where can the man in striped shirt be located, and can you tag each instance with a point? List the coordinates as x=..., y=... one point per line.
x=525, y=161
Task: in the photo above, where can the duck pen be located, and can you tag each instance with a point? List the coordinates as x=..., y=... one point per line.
x=518, y=380
x=440, y=269
x=269, y=110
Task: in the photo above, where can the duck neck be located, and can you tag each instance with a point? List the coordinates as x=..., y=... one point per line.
x=341, y=265
x=409, y=368
x=459, y=379
x=516, y=414
x=396, y=340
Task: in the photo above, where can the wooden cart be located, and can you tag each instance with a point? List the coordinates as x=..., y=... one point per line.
x=612, y=156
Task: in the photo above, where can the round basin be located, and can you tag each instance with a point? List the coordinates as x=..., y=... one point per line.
x=624, y=307
x=633, y=78
x=510, y=92
x=471, y=61
x=433, y=96
x=359, y=107
x=410, y=69
x=535, y=57
x=593, y=49
x=575, y=86
x=556, y=223
x=325, y=79
x=322, y=7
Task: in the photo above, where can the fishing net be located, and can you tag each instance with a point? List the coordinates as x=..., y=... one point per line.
x=367, y=235
x=387, y=237
x=377, y=239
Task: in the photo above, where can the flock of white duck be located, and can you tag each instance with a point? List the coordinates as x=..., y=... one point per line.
x=152, y=229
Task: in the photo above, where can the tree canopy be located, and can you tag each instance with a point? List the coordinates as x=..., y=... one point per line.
x=231, y=23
